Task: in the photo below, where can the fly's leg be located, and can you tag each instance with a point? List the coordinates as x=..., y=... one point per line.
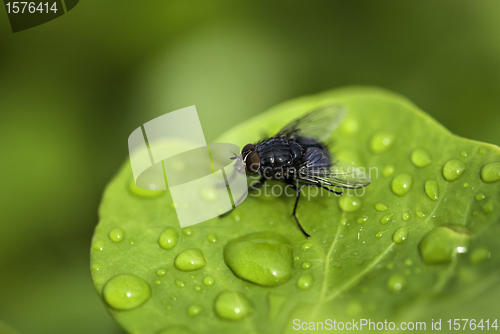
x=340, y=193
x=254, y=186
x=294, y=213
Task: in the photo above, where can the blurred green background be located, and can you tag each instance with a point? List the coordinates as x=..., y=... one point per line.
x=72, y=90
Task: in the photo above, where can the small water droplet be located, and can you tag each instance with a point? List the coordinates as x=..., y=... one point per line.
x=349, y=203
x=145, y=193
x=157, y=282
x=263, y=258
x=306, y=265
x=479, y=255
x=442, y=243
x=421, y=157
x=126, y=291
x=98, y=245
x=381, y=207
x=168, y=239
x=420, y=214
x=401, y=234
x=362, y=219
x=191, y=276
x=116, y=234
x=489, y=206
x=432, y=189
x=401, y=184
x=343, y=221
x=350, y=126
x=379, y=234
x=406, y=216
x=96, y=267
x=306, y=245
x=131, y=241
x=480, y=197
x=387, y=218
x=236, y=215
x=212, y=237
x=189, y=260
x=187, y=231
x=381, y=142
x=463, y=154
x=396, y=283
x=180, y=283
x=305, y=282
x=491, y=172
x=161, y=272
x=231, y=305
x=466, y=184
x=453, y=169
x=296, y=258
x=197, y=288
x=194, y=310
x=209, y=281
x=388, y=170
x=408, y=262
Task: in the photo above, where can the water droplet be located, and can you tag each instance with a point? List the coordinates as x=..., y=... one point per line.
x=480, y=197
x=387, y=218
x=191, y=276
x=396, y=283
x=381, y=142
x=306, y=265
x=145, y=193
x=306, y=245
x=197, y=288
x=231, y=305
x=209, y=194
x=236, y=215
x=491, y=172
x=131, y=241
x=443, y=242
x=161, y=272
x=305, y=282
x=194, y=310
x=362, y=219
x=125, y=292
x=406, y=216
x=212, y=237
x=401, y=184
x=479, y=255
x=96, y=267
x=180, y=283
x=400, y=235
x=263, y=258
x=489, y=206
x=189, y=260
x=432, y=189
x=209, y=281
x=463, y=154
x=349, y=203
x=343, y=221
x=157, y=282
x=408, y=262
x=187, y=231
x=116, y=234
x=168, y=239
x=388, y=170
x=453, y=169
x=350, y=126
x=420, y=214
x=466, y=184
x=421, y=157
x=296, y=258
x=98, y=245
x=379, y=234
x=381, y=207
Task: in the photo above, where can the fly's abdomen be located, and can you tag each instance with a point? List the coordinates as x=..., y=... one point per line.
x=276, y=153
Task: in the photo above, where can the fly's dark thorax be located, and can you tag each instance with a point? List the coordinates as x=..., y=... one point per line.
x=278, y=153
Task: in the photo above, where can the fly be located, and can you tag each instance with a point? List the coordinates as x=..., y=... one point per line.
x=298, y=156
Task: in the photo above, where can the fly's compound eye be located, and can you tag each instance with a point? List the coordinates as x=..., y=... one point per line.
x=252, y=162
x=248, y=147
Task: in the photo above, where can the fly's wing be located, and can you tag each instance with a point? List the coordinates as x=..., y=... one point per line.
x=340, y=174
x=317, y=124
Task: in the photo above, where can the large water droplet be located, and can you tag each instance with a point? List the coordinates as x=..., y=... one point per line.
x=491, y=172
x=98, y=245
x=400, y=235
x=453, y=169
x=406, y=216
x=480, y=197
x=306, y=245
x=305, y=282
x=443, y=242
x=212, y=237
x=381, y=142
x=161, y=272
x=381, y=207
x=209, y=281
x=168, y=239
x=420, y=157
x=187, y=231
x=263, y=258
x=432, y=189
x=231, y=305
x=306, y=265
x=125, y=292
x=116, y=234
x=387, y=218
x=396, y=283
x=349, y=203
x=189, y=260
x=463, y=154
x=401, y=184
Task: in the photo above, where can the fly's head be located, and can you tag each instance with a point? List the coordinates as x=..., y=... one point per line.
x=251, y=159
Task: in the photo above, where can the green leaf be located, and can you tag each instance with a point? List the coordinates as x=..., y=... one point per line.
x=420, y=239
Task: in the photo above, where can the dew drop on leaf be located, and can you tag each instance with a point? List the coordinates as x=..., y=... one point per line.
x=381, y=142
x=305, y=246
x=212, y=237
x=189, y=260
x=453, y=169
x=385, y=219
x=126, y=291
x=180, y=283
x=479, y=255
x=379, y=234
x=406, y=216
x=98, y=245
x=209, y=281
x=480, y=197
x=349, y=203
x=168, y=239
x=401, y=184
x=187, y=231
x=161, y=272
x=231, y=305
x=306, y=265
x=362, y=219
x=194, y=310
x=432, y=189
x=96, y=267
x=381, y=207
x=491, y=172
x=116, y=234
x=442, y=243
x=396, y=283
x=305, y=282
x=421, y=157
x=463, y=154
x=489, y=206
x=388, y=170
x=400, y=235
